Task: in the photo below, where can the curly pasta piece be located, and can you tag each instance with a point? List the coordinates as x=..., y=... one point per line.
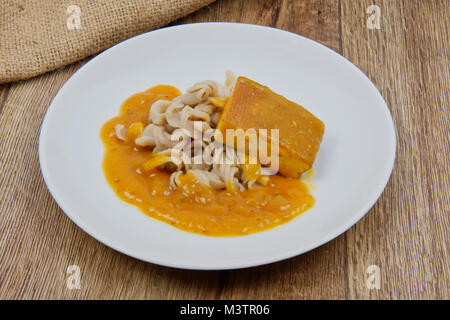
x=182, y=117
x=158, y=110
x=172, y=114
x=230, y=82
x=155, y=136
x=228, y=174
x=202, y=91
x=120, y=131
x=189, y=113
x=174, y=182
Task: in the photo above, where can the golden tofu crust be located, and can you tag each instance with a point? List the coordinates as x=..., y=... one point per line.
x=253, y=105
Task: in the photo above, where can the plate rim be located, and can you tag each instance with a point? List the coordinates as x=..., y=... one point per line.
x=191, y=266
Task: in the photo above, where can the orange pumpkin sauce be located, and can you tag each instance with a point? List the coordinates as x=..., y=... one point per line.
x=192, y=207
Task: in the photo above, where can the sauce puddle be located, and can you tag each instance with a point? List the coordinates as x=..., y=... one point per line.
x=193, y=207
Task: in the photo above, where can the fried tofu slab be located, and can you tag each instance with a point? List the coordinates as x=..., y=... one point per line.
x=253, y=105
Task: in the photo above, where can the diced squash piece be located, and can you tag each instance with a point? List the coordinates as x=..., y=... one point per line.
x=218, y=101
x=253, y=105
x=156, y=161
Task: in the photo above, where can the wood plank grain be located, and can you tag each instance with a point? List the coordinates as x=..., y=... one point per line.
x=315, y=19
x=406, y=233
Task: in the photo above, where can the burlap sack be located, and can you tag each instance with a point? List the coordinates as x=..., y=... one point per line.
x=37, y=36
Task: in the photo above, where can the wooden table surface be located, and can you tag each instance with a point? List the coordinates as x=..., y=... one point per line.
x=406, y=233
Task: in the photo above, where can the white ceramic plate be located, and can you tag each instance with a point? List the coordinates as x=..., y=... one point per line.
x=352, y=167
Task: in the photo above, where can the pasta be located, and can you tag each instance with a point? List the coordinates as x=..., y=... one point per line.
x=178, y=118
x=199, y=159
